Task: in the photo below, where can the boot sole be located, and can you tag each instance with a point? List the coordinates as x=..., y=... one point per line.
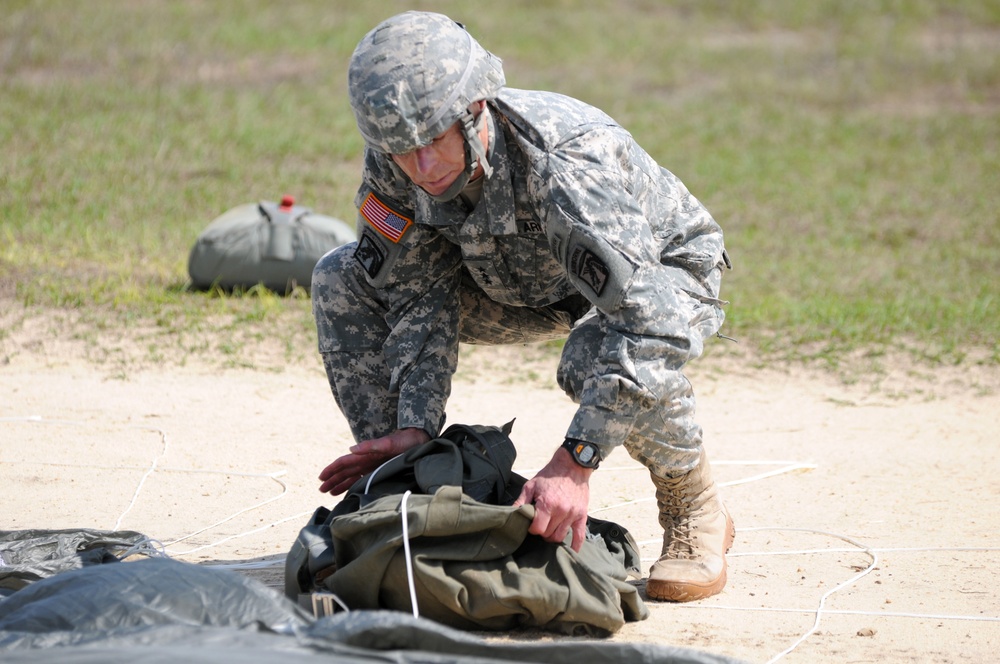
x=688, y=591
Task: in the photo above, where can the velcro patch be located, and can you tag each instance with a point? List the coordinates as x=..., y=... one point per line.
x=590, y=269
x=525, y=226
x=370, y=254
x=384, y=219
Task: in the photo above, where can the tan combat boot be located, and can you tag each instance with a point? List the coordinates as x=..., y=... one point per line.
x=698, y=532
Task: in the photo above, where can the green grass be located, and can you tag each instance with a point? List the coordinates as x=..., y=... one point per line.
x=850, y=149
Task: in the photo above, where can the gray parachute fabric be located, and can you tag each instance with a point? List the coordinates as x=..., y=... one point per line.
x=109, y=599
x=273, y=244
x=27, y=556
x=160, y=610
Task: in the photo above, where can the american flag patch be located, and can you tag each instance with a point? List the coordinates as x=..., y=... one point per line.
x=383, y=219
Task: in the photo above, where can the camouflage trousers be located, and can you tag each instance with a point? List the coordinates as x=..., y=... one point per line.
x=353, y=333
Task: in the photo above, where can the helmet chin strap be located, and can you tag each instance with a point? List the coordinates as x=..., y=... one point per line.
x=475, y=154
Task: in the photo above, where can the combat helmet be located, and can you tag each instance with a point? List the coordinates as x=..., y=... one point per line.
x=414, y=76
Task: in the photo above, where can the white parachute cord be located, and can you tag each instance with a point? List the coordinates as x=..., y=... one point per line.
x=791, y=466
x=246, y=533
x=371, y=478
x=272, y=476
x=772, y=473
x=146, y=547
x=406, y=553
x=822, y=602
x=149, y=471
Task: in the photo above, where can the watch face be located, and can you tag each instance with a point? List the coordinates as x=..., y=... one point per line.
x=585, y=454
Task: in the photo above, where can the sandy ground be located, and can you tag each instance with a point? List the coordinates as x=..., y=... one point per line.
x=877, y=504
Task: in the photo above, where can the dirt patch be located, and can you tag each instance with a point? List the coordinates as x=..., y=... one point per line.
x=874, y=499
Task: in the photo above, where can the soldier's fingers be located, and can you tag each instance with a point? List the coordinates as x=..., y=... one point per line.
x=551, y=527
x=527, y=495
x=540, y=524
x=329, y=484
x=327, y=472
x=351, y=463
x=579, y=535
x=559, y=533
x=373, y=446
x=341, y=480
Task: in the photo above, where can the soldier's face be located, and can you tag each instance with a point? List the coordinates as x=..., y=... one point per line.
x=434, y=167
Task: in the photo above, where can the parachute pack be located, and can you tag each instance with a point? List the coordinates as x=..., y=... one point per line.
x=271, y=244
x=433, y=532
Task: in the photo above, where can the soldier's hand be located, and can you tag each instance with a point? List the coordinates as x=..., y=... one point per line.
x=560, y=493
x=365, y=457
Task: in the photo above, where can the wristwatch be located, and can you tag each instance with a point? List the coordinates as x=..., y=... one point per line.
x=585, y=454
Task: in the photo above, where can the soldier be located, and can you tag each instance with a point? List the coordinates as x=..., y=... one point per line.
x=494, y=215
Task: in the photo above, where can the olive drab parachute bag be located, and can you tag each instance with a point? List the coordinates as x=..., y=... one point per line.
x=273, y=244
x=433, y=532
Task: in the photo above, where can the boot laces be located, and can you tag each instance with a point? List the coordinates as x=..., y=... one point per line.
x=676, y=505
x=681, y=544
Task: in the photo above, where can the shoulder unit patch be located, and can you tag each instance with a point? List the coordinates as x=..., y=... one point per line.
x=370, y=254
x=590, y=269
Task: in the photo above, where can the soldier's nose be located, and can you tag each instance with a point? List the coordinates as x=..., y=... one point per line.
x=426, y=160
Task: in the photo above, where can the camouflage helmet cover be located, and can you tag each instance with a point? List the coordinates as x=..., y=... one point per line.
x=413, y=76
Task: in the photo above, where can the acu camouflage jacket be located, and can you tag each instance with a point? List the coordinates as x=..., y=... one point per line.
x=574, y=205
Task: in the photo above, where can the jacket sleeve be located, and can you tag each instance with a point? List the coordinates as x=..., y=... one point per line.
x=648, y=255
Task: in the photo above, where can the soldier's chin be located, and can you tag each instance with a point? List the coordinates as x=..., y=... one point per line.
x=438, y=187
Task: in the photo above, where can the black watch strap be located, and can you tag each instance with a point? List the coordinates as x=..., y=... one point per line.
x=585, y=454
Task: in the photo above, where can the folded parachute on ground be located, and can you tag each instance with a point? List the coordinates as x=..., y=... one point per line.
x=161, y=610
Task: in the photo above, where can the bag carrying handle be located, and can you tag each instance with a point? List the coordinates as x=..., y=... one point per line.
x=283, y=218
